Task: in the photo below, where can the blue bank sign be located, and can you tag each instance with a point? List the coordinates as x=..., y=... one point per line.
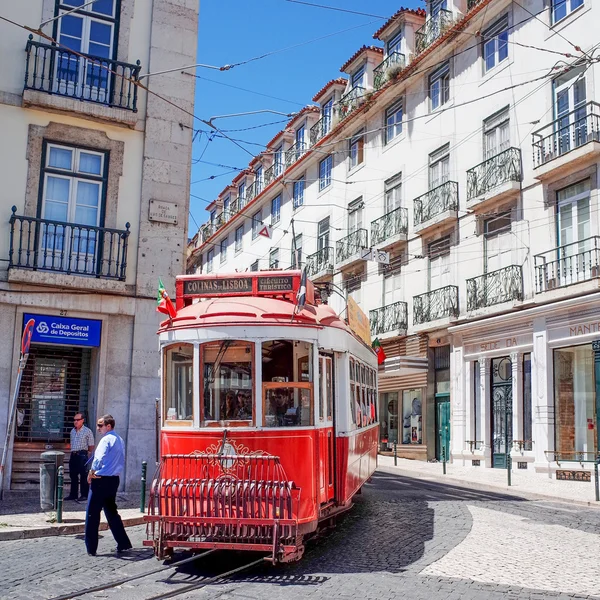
x=63, y=330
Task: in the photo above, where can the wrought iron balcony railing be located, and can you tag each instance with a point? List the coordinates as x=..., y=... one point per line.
x=566, y=133
x=46, y=245
x=320, y=129
x=319, y=261
x=435, y=202
x=391, y=224
x=62, y=72
x=350, y=245
x=496, y=287
x=206, y=231
x=348, y=102
x=568, y=264
x=293, y=153
x=252, y=191
x=386, y=69
x=472, y=3
x=437, y=304
x=234, y=207
x=493, y=172
x=272, y=173
x=393, y=317
x=434, y=27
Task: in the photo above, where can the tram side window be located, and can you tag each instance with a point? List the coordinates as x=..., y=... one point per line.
x=353, y=406
x=362, y=394
x=227, y=391
x=287, y=383
x=178, y=383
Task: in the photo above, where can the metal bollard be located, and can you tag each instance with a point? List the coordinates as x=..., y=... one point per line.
x=596, y=479
x=143, y=493
x=508, y=467
x=59, y=494
x=444, y=458
x=395, y=454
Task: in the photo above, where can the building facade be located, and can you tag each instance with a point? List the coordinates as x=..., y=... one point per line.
x=465, y=145
x=95, y=169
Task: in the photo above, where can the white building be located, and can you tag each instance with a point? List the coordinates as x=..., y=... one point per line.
x=95, y=177
x=466, y=145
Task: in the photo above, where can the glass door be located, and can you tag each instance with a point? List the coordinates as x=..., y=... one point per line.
x=569, y=107
x=501, y=399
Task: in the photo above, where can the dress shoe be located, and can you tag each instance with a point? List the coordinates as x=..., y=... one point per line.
x=70, y=498
x=83, y=498
x=119, y=550
x=91, y=554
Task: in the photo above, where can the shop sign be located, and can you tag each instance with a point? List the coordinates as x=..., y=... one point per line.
x=574, y=475
x=359, y=322
x=49, y=329
x=504, y=343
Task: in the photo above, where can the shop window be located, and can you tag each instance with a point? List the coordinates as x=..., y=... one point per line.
x=179, y=378
x=574, y=402
x=441, y=359
x=287, y=383
x=388, y=414
x=227, y=391
x=412, y=418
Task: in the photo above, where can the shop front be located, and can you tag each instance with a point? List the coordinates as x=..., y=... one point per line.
x=57, y=383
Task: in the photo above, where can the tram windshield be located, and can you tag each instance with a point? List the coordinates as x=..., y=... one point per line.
x=287, y=376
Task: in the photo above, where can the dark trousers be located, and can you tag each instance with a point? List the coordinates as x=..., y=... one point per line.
x=78, y=474
x=102, y=496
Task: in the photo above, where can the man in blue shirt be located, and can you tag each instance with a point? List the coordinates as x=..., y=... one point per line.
x=108, y=463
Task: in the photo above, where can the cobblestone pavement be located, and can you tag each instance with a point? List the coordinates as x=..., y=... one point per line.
x=405, y=538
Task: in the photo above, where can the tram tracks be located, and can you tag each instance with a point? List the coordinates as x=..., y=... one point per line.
x=204, y=581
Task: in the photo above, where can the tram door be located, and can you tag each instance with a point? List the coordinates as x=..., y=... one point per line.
x=326, y=437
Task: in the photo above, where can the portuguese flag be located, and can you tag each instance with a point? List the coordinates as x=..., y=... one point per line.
x=379, y=351
x=163, y=302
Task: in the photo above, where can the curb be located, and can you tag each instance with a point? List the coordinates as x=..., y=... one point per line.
x=68, y=529
x=485, y=487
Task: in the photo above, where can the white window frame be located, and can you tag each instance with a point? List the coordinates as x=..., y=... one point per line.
x=327, y=115
x=496, y=133
x=300, y=137
x=495, y=44
x=356, y=150
x=393, y=193
x=325, y=170
x=358, y=77
x=210, y=256
x=394, y=44
x=568, y=4
x=226, y=207
x=256, y=223
x=298, y=192
x=276, y=209
x=440, y=95
x=355, y=215
x=296, y=251
x=241, y=194
x=254, y=266
x=239, y=239
x=278, y=160
x=393, y=121
x=439, y=167
x=223, y=251
x=323, y=228
x=274, y=258
x=258, y=179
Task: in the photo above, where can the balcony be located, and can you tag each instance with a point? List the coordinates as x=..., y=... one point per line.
x=272, y=173
x=574, y=137
x=347, y=250
x=567, y=265
x=390, y=229
x=61, y=72
x=437, y=206
x=293, y=153
x=46, y=245
x=348, y=102
x=252, y=191
x=388, y=69
x=434, y=27
x=472, y=4
x=494, y=178
x=503, y=285
x=434, y=305
x=393, y=317
x=234, y=207
x=320, y=129
x=320, y=263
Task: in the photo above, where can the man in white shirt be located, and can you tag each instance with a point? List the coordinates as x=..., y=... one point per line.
x=82, y=446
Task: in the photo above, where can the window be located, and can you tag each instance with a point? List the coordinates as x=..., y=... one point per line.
x=241, y=195
x=327, y=113
x=298, y=192
x=256, y=223
x=495, y=43
x=439, y=272
x=239, y=235
x=355, y=215
x=570, y=111
x=213, y=214
x=300, y=136
x=87, y=31
x=74, y=192
x=275, y=209
x=297, y=252
x=439, y=166
x=437, y=6
x=223, y=250
x=496, y=134
x=278, y=160
x=226, y=205
x=388, y=413
x=179, y=383
x=325, y=172
x=561, y=8
x=393, y=121
x=395, y=44
x=358, y=77
x=439, y=86
x=227, y=391
x=393, y=193
x=210, y=255
x=357, y=149
x=258, y=174
x=254, y=266
x=362, y=394
x=323, y=234
x=274, y=258
x=412, y=417
x=498, y=243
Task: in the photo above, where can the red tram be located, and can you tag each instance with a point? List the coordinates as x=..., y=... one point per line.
x=269, y=422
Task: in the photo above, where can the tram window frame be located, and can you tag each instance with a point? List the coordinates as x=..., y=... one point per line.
x=241, y=388
x=169, y=400
x=363, y=394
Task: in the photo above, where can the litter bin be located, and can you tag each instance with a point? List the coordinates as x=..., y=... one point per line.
x=51, y=460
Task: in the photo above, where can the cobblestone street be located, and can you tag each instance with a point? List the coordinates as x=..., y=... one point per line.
x=405, y=538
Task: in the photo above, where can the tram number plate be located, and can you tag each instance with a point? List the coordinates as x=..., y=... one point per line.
x=275, y=284
x=574, y=475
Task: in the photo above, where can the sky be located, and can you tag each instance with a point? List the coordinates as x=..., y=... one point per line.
x=232, y=31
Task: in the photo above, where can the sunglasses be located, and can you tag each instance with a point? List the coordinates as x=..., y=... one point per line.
x=100, y=425
x=77, y=419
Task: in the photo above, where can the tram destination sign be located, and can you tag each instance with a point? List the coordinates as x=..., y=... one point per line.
x=276, y=284
x=216, y=286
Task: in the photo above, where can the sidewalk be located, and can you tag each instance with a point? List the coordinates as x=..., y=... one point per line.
x=527, y=485
x=22, y=517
